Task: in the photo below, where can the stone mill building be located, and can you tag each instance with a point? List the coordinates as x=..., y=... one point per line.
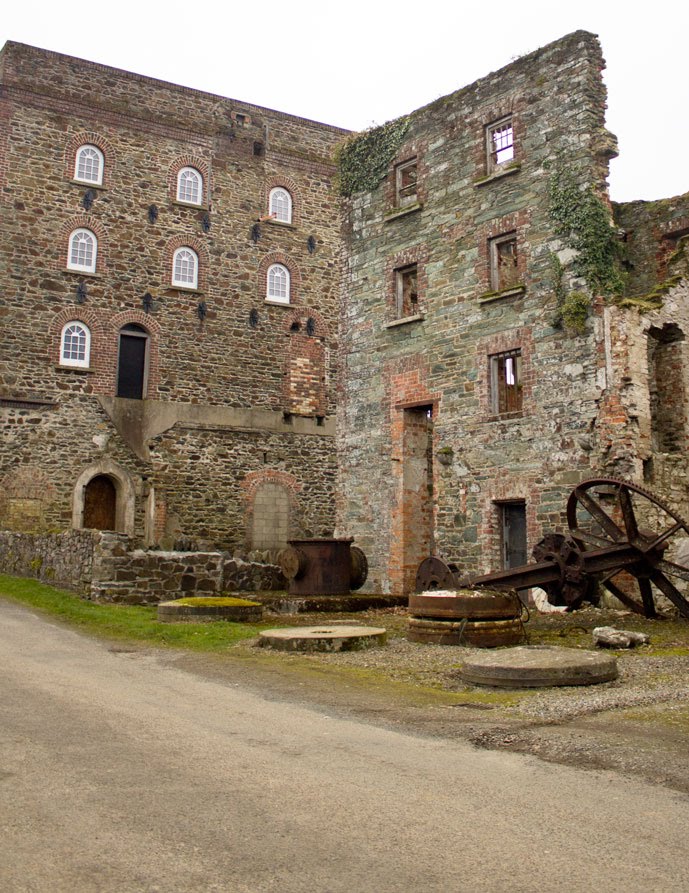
x=195, y=289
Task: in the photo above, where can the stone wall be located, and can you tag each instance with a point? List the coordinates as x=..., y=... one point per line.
x=219, y=355
x=442, y=359
x=103, y=566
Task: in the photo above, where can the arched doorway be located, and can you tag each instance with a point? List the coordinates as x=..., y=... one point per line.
x=100, y=503
x=131, y=363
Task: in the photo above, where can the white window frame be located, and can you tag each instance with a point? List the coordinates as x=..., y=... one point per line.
x=503, y=147
x=184, y=281
x=83, y=361
x=278, y=295
x=195, y=172
x=75, y=263
x=276, y=202
x=96, y=180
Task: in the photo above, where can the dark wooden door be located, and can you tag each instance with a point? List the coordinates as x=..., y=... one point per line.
x=131, y=367
x=100, y=503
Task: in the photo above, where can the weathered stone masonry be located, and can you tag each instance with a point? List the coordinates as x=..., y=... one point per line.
x=234, y=384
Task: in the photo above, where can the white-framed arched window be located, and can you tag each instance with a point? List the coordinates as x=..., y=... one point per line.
x=75, y=344
x=83, y=249
x=280, y=205
x=185, y=268
x=189, y=186
x=88, y=165
x=278, y=284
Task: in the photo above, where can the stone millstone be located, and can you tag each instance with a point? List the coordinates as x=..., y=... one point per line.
x=197, y=610
x=476, y=633
x=476, y=604
x=534, y=666
x=322, y=638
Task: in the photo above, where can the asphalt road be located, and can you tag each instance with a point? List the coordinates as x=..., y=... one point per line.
x=120, y=773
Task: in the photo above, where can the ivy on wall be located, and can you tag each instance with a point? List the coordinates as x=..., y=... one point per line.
x=363, y=160
x=583, y=221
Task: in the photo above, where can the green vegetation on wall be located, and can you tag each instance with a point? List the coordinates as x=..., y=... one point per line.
x=583, y=221
x=363, y=160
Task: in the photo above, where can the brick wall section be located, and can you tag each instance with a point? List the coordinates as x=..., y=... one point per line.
x=237, y=355
x=536, y=455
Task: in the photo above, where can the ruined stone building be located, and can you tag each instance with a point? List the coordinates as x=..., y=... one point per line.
x=170, y=292
x=501, y=338
x=189, y=300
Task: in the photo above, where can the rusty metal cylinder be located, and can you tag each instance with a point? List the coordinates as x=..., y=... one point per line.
x=323, y=566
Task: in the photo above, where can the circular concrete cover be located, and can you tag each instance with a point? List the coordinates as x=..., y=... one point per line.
x=539, y=666
x=322, y=638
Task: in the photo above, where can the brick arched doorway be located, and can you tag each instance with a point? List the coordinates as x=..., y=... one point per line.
x=100, y=503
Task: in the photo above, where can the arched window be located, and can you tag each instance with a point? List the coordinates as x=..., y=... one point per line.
x=278, y=284
x=88, y=165
x=75, y=344
x=189, y=186
x=83, y=248
x=185, y=268
x=281, y=204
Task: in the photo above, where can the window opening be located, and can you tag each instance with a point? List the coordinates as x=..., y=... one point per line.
x=88, y=167
x=131, y=365
x=278, y=284
x=506, y=382
x=190, y=186
x=75, y=345
x=513, y=533
x=185, y=268
x=666, y=372
x=281, y=205
x=405, y=183
x=504, y=267
x=83, y=248
x=406, y=291
x=499, y=143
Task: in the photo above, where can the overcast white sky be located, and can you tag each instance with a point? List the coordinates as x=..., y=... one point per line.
x=356, y=63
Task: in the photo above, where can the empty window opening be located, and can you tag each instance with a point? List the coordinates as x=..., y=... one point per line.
x=506, y=382
x=504, y=267
x=131, y=364
x=512, y=518
x=100, y=503
x=406, y=291
x=405, y=183
x=667, y=390
x=499, y=143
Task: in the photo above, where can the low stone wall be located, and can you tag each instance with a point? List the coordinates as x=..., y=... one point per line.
x=61, y=559
x=103, y=567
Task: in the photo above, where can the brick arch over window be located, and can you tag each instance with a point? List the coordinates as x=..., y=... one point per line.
x=276, y=489
x=97, y=328
x=190, y=161
x=82, y=221
x=287, y=183
x=279, y=257
x=201, y=250
x=152, y=327
x=89, y=138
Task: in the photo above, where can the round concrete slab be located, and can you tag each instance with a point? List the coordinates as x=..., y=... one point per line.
x=539, y=666
x=198, y=609
x=322, y=638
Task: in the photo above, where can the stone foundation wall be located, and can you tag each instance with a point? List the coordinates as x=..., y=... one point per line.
x=102, y=567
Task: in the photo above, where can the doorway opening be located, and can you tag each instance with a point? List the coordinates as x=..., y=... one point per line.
x=417, y=492
x=131, y=363
x=100, y=503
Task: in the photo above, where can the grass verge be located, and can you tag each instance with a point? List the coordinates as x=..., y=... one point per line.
x=133, y=623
